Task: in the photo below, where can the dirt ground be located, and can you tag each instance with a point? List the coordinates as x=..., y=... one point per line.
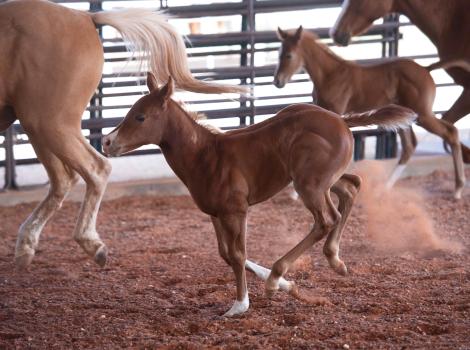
x=165, y=285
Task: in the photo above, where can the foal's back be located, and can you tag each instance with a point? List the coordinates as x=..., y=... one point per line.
x=268, y=153
x=289, y=124
x=399, y=81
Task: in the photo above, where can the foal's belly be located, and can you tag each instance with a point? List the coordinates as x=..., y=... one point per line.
x=268, y=189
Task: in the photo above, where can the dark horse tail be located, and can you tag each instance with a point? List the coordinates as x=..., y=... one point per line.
x=464, y=64
x=391, y=117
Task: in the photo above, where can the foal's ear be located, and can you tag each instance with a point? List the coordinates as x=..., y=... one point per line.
x=152, y=82
x=298, y=33
x=281, y=34
x=166, y=91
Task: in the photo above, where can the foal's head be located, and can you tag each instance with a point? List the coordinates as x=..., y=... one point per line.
x=290, y=57
x=356, y=17
x=144, y=123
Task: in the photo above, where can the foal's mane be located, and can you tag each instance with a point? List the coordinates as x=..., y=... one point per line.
x=197, y=117
x=311, y=36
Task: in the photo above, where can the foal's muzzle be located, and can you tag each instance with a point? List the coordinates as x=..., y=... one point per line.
x=109, y=146
x=278, y=83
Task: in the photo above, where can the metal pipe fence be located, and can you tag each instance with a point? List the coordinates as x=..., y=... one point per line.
x=239, y=48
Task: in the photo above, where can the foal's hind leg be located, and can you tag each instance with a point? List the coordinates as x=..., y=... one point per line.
x=326, y=216
x=346, y=189
x=450, y=134
x=408, y=146
x=72, y=148
x=61, y=180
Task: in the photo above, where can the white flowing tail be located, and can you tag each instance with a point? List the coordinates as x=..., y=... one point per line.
x=390, y=117
x=148, y=32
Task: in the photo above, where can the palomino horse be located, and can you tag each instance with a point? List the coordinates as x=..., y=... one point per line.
x=445, y=22
x=227, y=173
x=344, y=86
x=51, y=61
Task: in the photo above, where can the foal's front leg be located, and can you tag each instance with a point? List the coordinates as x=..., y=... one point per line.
x=231, y=232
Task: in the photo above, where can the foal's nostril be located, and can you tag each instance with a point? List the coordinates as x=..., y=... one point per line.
x=107, y=142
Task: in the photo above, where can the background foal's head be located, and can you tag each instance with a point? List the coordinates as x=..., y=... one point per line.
x=290, y=58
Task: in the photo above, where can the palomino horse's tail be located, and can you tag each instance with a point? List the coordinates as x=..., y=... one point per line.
x=464, y=64
x=148, y=33
x=391, y=117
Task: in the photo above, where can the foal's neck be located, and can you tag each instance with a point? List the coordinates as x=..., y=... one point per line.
x=183, y=140
x=432, y=17
x=319, y=60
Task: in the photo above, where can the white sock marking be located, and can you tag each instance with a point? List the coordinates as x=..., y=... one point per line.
x=239, y=307
x=263, y=273
x=395, y=175
x=294, y=195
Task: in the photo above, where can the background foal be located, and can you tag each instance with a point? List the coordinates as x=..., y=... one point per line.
x=344, y=86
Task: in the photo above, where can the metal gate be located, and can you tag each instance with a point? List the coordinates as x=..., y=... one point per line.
x=240, y=45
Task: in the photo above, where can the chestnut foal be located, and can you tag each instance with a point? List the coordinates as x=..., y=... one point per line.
x=227, y=172
x=445, y=22
x=344, y=86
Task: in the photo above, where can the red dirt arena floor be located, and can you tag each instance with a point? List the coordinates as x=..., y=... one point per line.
x=165, y=285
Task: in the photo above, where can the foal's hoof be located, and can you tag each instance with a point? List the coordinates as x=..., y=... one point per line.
x=458, y=193
x=23, y=261
x=101, y=256
x=294, y=195
x=339, y=267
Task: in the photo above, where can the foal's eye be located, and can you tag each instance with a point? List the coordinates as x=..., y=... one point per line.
x=288, y=56
x=140, y=117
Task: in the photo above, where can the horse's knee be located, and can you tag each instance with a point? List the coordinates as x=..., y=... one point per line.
x=97, y=180
x=103, y=168
x=279, y=269
x=330, y=221
x=237, y=257
x=406, y=154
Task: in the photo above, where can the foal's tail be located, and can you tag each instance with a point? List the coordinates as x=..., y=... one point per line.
x=464, y=64
x=391, y=117
x=157, y=42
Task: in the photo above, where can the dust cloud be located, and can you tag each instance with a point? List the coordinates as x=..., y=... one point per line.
x=397, y=219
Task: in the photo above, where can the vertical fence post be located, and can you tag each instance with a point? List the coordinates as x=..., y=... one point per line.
x=252, y=29
x=248, y=25
x=386, y=146
x=10, y=163
x=97, y=100
x=243, y=63
x=391, y=137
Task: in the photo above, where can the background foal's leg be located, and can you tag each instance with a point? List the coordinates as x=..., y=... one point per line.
x=408, y=146
x=61, y=180
x=76, y=152
x=231, y=232
x=326, y=217
x=346, y=189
